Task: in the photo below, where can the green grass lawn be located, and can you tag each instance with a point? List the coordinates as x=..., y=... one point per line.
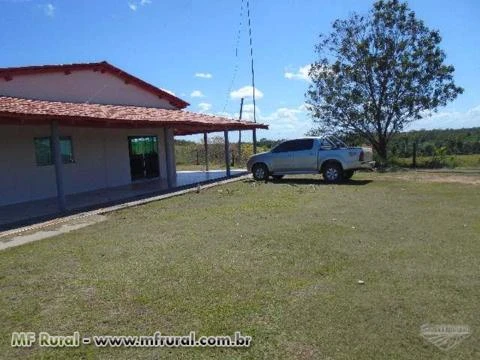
x=277, y=261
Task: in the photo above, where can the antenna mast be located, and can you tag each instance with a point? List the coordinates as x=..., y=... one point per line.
x=254, y=138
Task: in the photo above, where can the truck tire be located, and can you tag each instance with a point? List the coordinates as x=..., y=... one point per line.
x=347, y=174
x=332, y=172
x=260, y=171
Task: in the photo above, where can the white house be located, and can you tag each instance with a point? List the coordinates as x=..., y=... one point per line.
x=67, y=129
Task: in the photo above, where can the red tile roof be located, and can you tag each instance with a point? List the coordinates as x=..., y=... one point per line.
x=9, y=73
x=26, y=111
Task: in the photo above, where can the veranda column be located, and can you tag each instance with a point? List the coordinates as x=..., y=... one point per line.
x=57, y=160
x=205, y=144
x=227, y=153
x=170, y=157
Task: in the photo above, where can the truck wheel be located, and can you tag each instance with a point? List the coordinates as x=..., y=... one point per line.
x=347, y=174
x=332, y=172
x=260, y=171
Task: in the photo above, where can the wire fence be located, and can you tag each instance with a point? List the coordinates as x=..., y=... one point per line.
x=189, y=154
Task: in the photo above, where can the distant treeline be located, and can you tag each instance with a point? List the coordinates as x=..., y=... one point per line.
x=430, y=142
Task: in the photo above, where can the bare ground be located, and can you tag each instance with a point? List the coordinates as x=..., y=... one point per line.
x=435, y=177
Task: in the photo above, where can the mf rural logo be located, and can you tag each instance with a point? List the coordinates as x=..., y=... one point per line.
x=445, y=337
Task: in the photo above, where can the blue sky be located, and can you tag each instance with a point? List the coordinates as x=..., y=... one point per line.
x=188, y=48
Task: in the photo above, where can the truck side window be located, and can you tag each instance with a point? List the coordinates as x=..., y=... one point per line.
x=302, y=144
x=294, y=145
x=283, y=147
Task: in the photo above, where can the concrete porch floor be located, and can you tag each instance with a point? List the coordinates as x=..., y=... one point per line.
x=27, y=213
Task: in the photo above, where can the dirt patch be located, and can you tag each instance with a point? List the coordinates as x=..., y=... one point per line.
x=49, y=231
x=470, y=179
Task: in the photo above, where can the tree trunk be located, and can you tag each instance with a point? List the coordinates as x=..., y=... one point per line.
x=414, y=155
x=381, y=149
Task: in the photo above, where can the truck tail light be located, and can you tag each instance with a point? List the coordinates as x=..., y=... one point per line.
x=362, y=156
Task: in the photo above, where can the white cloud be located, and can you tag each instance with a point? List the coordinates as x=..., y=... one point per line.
x=284, y=122
x=227, y=114
x=247, y=113
x=168, y=91
x=133, y=5
x=245, y=92
x=203, y=75
x=248, y=108
x=449, y=120
x=291, y=122
x=49, y=9
x=197, y=93
x=300, y=74
x=204, y=107
x=287, y=123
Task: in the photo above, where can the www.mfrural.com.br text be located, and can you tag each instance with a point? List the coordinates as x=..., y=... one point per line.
x=44, y=339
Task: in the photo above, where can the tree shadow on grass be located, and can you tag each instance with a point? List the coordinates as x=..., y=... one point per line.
x=310, y=181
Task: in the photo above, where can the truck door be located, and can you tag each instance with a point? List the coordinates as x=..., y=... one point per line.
x=282, y=157
x=304, y=155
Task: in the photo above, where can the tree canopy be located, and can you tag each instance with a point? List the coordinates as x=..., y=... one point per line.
x=378, y=73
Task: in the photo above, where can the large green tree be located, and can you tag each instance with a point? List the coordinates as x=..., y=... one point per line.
x=378, y=73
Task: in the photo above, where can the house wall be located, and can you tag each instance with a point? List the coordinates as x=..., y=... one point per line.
x=101, y=161
x=79, y=87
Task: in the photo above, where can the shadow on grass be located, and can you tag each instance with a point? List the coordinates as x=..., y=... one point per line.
x=104, y=204
x=307, y=181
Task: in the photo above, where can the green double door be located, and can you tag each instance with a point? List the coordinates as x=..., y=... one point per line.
x=143, y=157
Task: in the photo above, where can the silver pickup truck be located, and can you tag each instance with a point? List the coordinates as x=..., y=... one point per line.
x=311, y=155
